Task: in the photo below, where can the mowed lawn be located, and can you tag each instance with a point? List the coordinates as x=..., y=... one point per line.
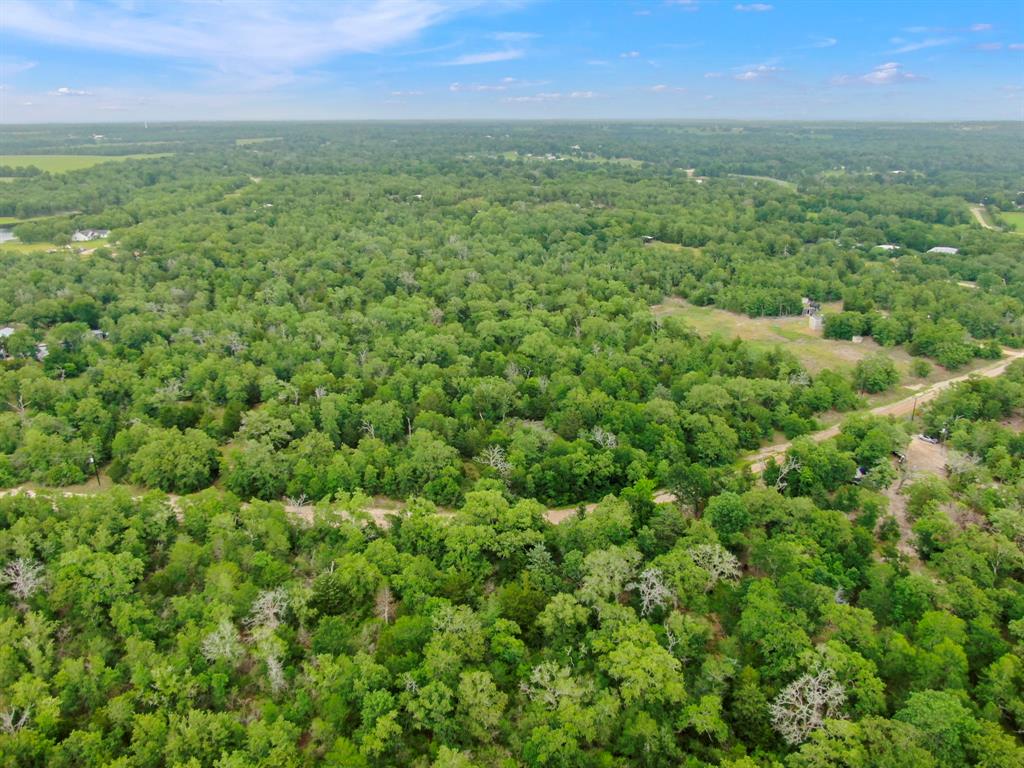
x=1015, y=219
x=65, y=163
x=795, y=335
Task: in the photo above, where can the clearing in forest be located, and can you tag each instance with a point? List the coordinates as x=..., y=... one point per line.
x=811, y=348
x=980, y=214
x=1015, y=219
x=65, y=163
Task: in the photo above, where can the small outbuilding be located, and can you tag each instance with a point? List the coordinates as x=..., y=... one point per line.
x=947, y=249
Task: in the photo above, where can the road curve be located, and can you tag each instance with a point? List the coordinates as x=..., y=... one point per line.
x=757, y=460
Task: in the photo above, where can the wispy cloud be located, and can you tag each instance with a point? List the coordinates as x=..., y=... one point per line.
x=824, y=42
x=233, y=38
x=403, y=94
x=13, y=65
x=919, y=45
x=514, y=37
x=629, y=55
x=684, y=5
x=1015, y=47
x=662, y=88
x=488, y=57
x=980, y=27
x=757, y=72
x=989, y=47
x=753, y=7
x=506, y=83
x=889, y=73
x=552, y=96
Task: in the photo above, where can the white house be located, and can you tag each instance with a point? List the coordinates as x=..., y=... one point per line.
x=888, y=247
x=84, y=235
x=944, y=249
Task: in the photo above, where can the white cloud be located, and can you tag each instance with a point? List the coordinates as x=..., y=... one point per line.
x=485, y=58
x=629, y=55
x=884, y=74
x=980, y=27
x=553, y=96
x=989, y=46
x=919, y=45
x=753, y=7
x=1016, y=46
x=662, y=88
x=758, y=72
x=400, y=94
x=712, y=75
x=685, y=5
x=65, y=91
x=503, y=85
x=824, y=42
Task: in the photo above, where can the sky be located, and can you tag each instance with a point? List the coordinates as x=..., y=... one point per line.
x=133, y=60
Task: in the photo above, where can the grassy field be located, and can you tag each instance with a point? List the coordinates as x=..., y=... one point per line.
x=794, y=334
x=65, y=163
x=781, y=182
x=17, y=245
x=1015, y=219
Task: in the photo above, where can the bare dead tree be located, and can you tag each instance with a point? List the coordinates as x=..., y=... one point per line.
x=275, y=673
x=494, y=457
x=792, y=464
x=652, y=590
x=268, y=610
x=804, y=705
x=223, y=643
x=24, y=578
x=602, y=438
x=384, y=604
x=297, y=501
x=320, y=392
x=11, y=721
x=367, y=428
x=719, y=562
x=20, y=406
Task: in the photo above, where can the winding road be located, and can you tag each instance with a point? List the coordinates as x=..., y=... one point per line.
x=757, y=460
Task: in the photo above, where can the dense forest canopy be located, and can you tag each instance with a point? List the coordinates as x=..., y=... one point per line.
x=289, y=325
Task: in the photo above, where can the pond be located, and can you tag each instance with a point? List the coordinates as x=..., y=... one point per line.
x=6, y=235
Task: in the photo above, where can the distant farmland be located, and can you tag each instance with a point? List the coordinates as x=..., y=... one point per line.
x=65, y=163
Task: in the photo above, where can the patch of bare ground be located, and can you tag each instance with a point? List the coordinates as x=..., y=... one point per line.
x=923, y=458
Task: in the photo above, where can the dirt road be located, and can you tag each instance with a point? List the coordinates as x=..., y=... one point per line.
x=980, y=216
x=757, y=460
x=902, y=407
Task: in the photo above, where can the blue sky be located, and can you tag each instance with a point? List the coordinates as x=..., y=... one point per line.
x=75, y=61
